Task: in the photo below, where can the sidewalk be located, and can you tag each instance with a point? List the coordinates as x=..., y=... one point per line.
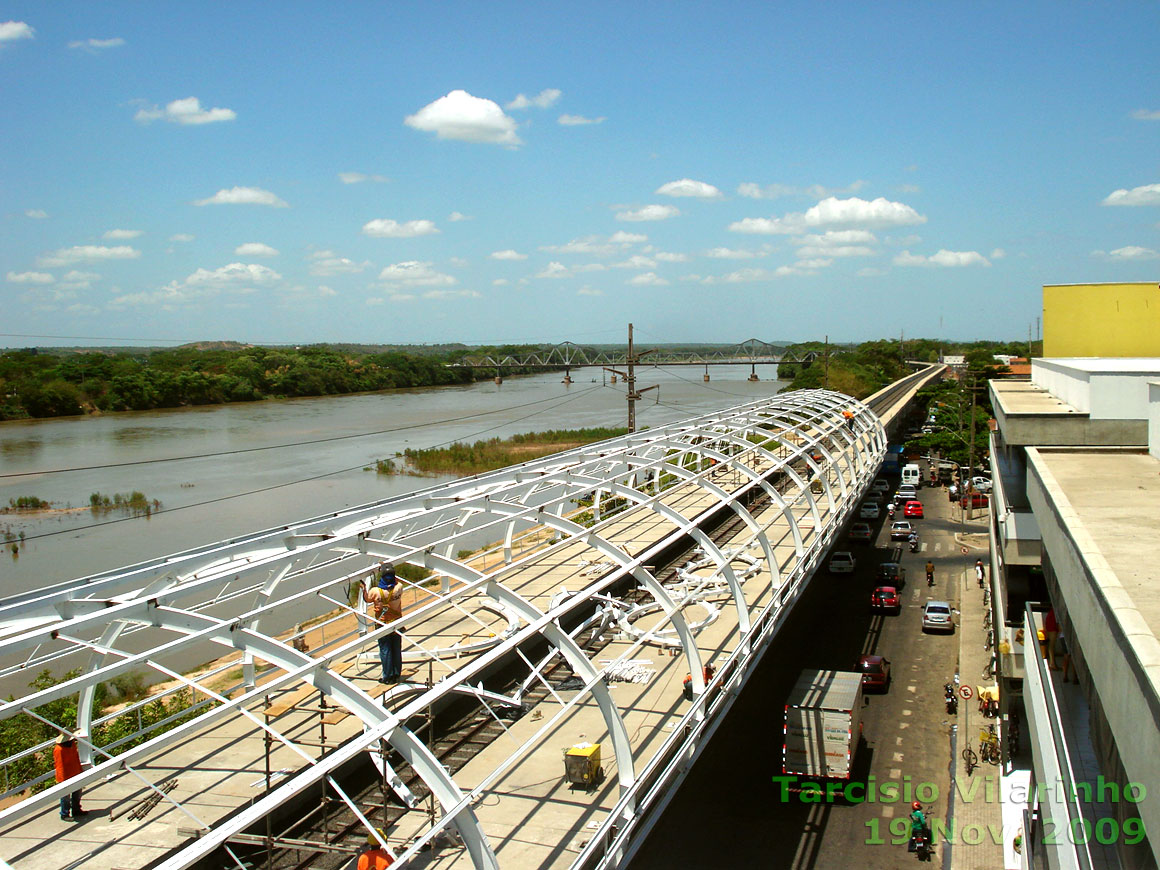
x=975, y=842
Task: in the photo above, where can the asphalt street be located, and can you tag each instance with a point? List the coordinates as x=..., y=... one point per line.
x=731, y=813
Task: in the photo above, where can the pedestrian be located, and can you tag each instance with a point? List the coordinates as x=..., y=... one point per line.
x=67, y=761
x=374, y=855
x=1062, y=648
x=980, y=572
x=1050, y=633
x=385, y=600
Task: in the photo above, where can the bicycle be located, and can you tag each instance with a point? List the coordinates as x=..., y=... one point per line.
x=989, y=745
x=989, y=641
x=970, y=759
x=989, y=669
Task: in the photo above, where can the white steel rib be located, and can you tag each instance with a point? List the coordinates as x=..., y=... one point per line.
x=563, y=540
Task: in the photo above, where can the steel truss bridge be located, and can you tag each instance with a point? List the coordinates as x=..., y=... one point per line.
x=606, y=574
x=752, y=351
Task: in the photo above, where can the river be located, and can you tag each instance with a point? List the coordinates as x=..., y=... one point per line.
x=227, y=493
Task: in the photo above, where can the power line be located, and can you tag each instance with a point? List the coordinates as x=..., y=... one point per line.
x=272, y=487
x=242, y=450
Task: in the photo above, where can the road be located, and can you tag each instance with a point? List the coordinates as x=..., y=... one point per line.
x=730, y=813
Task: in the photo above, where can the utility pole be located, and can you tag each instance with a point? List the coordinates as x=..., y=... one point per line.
x=826, y=367
x=969, y=489
x=630, y=379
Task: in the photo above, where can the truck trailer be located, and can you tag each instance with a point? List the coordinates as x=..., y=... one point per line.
x=823, y=725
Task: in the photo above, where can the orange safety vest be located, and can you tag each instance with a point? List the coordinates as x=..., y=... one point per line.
x=374, y=859
x=388, y=604
x=67, y=760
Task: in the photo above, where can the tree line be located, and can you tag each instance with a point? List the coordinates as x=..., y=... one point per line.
x=37, y=383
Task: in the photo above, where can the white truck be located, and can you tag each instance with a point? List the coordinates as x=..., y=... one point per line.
x=823, y=725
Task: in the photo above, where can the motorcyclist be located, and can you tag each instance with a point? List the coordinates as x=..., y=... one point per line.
x=917, y=821
x=929, y=572
x=890, y=510
x=912, y=539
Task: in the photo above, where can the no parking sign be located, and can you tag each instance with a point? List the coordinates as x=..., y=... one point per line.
x=966, y=692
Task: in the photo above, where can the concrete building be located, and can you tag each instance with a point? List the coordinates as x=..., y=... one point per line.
x=1075, y=518
x=1090, y=320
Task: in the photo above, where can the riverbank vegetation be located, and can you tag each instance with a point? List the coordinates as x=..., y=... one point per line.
x=863, y=369
x=130, y=503
x=53, y=382
x=466, y=459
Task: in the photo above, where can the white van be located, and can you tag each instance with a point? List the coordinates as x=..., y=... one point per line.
x=911, y=475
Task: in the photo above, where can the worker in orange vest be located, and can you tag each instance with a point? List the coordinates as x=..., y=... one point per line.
x=67, y=761
x=376, y=857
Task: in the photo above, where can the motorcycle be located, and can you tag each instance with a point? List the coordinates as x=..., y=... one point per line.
x=951, y=697
x=913, y=543
x=920, y=841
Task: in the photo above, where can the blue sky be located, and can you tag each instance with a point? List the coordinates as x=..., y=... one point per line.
x=418, y=172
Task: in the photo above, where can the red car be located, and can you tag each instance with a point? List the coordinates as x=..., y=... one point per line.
x=875, y=671
x=912, y=509
x=975, y=499
x=885, y=598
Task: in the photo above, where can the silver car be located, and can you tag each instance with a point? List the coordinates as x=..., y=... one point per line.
x=938, y=616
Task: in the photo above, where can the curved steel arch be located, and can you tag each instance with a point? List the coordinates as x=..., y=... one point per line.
x=425, y=527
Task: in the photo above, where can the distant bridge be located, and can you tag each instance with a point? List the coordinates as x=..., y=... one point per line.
x=567, y=354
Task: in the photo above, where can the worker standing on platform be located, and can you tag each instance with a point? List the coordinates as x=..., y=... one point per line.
x=385, y=599
x=375, y=856
x=67, y=761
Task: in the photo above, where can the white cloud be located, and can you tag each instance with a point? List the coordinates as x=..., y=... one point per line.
x=123, y=234
x=10, y=31
x=88, y=254
x=578, y=120
x=235, y=279
x=413, y=273
x=589, y=267
x=97, y=44
x=360, y=177
x=452, y=294
x=870, y=272
x=327, y=263
x=589, y=291
x=944, y=258
x=543, y=100
x=669, y=257
x=554, y=270
x=998, y=254
x=457, y=216
x=836, y=212
x=384, y=228
x=181, y=237
x=594, y=245
x=255, y=249
x=649, y=213
x=909, y=188
x=1146, y=114
x=37, y=214
x=774, y=191
x=1131, y=252
x=1148, y=194
x=647, y=279
x=509, y=254
x=689, y=187
x=814, y=263
x=838, y=238
x=243, y=196
x=461, y=116
x=622, y=237
x=30, y=278
x=75, y=280
x=732, y=254
x=741, y=276
x=638, y=261
x=500, y=282
x=186, y=111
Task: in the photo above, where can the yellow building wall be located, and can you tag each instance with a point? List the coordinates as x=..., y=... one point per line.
x=1101, y=320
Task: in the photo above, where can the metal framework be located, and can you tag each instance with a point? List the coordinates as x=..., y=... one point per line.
x=566, y=540
x=570, y=355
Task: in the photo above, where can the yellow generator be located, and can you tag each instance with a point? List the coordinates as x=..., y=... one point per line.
x=582, y=765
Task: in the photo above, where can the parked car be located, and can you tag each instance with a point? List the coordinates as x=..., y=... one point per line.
x=900, y=530
x=869, y=510
x=912, y=508
x=891, y=574
x=842, y=562
x=875, y=671
x=905, y=494
x=885, y=598
x=937, y=616
x=880, y=485
x=861, y=532
x=974, y=499
x=981, y=484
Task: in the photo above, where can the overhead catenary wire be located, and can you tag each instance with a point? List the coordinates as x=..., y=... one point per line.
x=259, y=490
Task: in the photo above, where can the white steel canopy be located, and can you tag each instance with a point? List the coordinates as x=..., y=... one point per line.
x=533, y=557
